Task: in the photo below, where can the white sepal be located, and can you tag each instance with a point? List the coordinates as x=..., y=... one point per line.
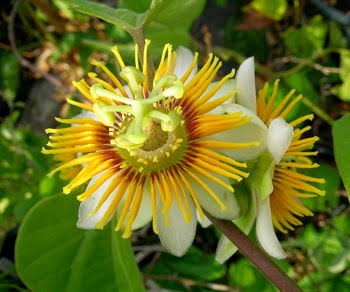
x=245, y=82
x=265, y=231
x=279, y=137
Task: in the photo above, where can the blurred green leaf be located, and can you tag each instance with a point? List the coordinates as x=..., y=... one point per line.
x=191, y=266
x=336, y=37
x=343, y=90
x=9, y=76
x=274, y=9
x=53, y=255
x=307, y=40
x=329, y=200
x=341, y=140
x=244, y=275
x=124, y=18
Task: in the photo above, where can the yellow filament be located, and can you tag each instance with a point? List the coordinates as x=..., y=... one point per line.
x=114, y=204
x=84, y=89
x=302, y=119
x=77, y=129
x=190, y=69
x=193, y=196
x=118, y=56
x=134, y=210
x=173, y=63
x=170, y=50
x=267, y=111
x=183, y=192
x=154, y=205
x=178, y=198
x=111, y=76
x=107, y=175
x=282, y=104
x=261, y=100
x=79, y=104
x=145, y=64
x=290, y=106
x=304, y=153
x=74, y=162
x=137, y=57
x=297, y=175
x=112, y=187
x=211, y=144
x=204, y=186
x=75, y=142
x=298, y=165
x=211, y=177
x=220, y=157
x=211, y=92
x=199, y=75
x=128, y=201
x=167, y=191
x=78, y=121
x=214, y=104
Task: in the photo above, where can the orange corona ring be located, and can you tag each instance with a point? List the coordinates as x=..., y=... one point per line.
x=151, y=140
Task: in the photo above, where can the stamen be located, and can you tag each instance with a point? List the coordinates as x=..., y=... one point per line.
x=118, y=56
x=79, y=104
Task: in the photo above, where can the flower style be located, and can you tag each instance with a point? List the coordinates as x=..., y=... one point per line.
x=156, y=149
x=276, y=186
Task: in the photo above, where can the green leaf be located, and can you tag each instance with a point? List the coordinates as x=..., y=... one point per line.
x=341, y=140
x=53, y=255
x=336, y=37
x=244, y=275
x=9, y=76
x=190, y=266
x=274, y=9
x=343, y=90
x=313, y=36
x=124, y=18
x=174, y=13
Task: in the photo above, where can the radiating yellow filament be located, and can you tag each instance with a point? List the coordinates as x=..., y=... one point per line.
x=154, y=205
x=111, y=76
x=212, y=144
x=84, y=89
x=137, y=57
x=79, y=104
x=210, y=192
x=302, y=119
x=268, y=108
x=118, y=56
x=145, y=64
x=190, y=69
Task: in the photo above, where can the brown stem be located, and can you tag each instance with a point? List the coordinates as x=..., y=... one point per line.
x=25, y=63
x=255, y=255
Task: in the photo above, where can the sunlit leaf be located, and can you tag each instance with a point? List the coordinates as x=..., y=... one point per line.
x=341, y=137
x=313, y=36
x=274, y=9
x=343, y=90
x=53, y=255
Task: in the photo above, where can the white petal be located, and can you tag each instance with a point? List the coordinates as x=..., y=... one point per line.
x=205, y=223
x=89, y=222
x=85, y=115
x=265, y=231
x=225, y=89
x=184, y=59
x=177, y=237
x=279, y=137
x=246, y=83
x=209, y=203
x=245, y=222
x=254, y=131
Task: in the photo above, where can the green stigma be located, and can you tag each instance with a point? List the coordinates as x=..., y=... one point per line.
x=142, y=113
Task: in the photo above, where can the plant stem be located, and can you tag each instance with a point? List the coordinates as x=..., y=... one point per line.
x=255, y=255
x=139, y=38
